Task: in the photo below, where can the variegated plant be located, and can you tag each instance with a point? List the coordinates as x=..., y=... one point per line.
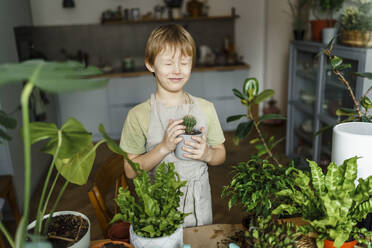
x=331, y=203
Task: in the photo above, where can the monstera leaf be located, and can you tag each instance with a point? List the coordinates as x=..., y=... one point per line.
x=74, y=137
x=52, y=76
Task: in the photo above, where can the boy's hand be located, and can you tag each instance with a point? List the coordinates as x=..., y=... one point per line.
x=200, y=149
x=170, y=139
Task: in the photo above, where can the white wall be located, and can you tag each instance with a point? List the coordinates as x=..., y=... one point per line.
x=250, y=27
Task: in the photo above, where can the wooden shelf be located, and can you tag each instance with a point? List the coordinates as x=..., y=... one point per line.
x=196, y=69
x=201, y=18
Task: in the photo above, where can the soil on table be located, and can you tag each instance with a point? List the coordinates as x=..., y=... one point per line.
x=237, y=238
x=65, y=230
x=112, y=245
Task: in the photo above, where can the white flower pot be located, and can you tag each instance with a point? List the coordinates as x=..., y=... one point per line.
x=172, y=241
x=84, y=242
x=328, y=34
x=179, y=152
x=353, y=139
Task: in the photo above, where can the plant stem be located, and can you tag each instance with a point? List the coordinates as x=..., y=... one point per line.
x=40, y=215
x=262, y=138
x=6, y=234
x=55, y=206
x=366, y=93
x=346, y=83
x=48, y=197
x=26, y=92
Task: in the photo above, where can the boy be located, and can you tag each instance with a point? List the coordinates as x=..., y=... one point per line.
x=151, y=130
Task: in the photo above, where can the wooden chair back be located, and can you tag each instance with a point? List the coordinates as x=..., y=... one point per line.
x=109, y=174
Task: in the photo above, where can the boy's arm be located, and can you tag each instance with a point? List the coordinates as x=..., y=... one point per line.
x=149, y=160
x=216, y=154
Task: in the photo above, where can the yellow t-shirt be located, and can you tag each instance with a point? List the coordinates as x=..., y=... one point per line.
x=134, y=133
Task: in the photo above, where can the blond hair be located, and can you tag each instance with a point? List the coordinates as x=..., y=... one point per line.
x=174, y=36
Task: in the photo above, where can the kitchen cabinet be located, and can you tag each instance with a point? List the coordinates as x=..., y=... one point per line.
x=314, y=95
x=111, y=104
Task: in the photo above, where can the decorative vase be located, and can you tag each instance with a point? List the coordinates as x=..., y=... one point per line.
x=328, y=34
x=318, y=25
x=84, y=241
x=329, y=244
x=299, y=34
x=356, y=38
x=175, y=240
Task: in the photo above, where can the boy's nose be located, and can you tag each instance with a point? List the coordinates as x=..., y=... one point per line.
x=176, y=68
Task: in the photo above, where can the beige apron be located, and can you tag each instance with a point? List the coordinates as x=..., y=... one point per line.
x=197, y=194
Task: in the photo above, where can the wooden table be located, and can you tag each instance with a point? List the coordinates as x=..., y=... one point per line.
x=205, y=236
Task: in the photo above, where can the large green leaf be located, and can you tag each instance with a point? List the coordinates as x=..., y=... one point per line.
x=317, y=178
x=234, y=118
x=237, y=93
x=272, y=117
x=7, y=121
x=332, y=178
x=364, y=74
x=53, y=76
x=350, y=174
x=77, y=168
x=74, y=137
x=244, y=129
x=263, y=96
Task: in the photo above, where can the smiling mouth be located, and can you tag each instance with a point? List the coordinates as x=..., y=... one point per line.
x=175, y=79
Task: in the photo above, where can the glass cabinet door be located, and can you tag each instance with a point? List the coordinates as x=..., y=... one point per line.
x=304, y=88
x=335, y=93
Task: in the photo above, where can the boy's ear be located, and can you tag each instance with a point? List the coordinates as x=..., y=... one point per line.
x=149, y=67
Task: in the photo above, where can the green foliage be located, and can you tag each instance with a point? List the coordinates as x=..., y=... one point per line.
x=357, y=17
x=269, y=233
x=325, y=7
x=330, y=203
x=6, y=122
x=190, y=122
x=250, y=97
x=254, y=187
x=154, y=212
x=71, y=146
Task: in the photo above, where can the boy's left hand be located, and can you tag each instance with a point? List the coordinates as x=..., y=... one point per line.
x=200, y=149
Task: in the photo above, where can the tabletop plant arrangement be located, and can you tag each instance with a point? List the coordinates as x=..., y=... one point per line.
x=71, y=145
x=331, y=203
x=153, y=214
x=356, y=24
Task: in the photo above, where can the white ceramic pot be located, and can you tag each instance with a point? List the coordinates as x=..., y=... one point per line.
x=328, y=34
x=84, y=242
x=172, y=241
x=353, y=139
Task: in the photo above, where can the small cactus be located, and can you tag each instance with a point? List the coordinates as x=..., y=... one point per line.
x=189, y=121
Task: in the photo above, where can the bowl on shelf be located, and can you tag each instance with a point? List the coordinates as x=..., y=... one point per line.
x=307, y=97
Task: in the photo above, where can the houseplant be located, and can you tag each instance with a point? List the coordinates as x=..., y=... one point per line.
x=71, y=146
x=299, y=13
x=330, y=203
x=154, y=217
x=323, y=12
x=189, y=121
x=356, y=24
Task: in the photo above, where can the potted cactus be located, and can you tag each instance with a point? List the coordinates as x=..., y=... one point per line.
x=189, y=121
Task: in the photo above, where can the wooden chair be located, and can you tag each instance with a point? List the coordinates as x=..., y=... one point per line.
x=110, y=172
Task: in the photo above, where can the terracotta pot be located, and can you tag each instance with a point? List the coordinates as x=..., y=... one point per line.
x=119, y=231
x=329, y=244
x=317, y=28
x=356, y=38
x=100, y=244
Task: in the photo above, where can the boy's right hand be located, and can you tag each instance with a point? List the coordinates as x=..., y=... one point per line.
x=171, y=138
